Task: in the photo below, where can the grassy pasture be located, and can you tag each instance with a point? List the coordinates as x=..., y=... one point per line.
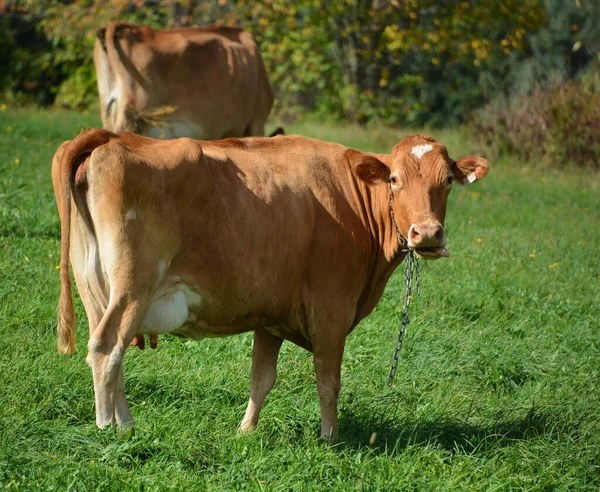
x=498, y=387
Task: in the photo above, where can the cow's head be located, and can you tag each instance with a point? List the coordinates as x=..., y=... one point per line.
x=420, y=174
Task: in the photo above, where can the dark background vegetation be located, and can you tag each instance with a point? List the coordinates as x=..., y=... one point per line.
x=523, y=73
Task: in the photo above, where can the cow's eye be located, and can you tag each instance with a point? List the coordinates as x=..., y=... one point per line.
x=449, y=180
x=394, y=180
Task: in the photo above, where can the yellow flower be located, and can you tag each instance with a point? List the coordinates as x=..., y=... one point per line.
x=17, y=161
x=479, y=240
x=8, y=129
x=532, y=255
x=3, y=107
x=554, y=265
x=57, y=267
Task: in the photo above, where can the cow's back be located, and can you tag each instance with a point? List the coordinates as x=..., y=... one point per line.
x=205, y=83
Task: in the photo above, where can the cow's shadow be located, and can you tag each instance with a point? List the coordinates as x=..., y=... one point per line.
x=504, y=428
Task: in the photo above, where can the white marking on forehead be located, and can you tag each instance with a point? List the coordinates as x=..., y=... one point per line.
x=130, y=215
x=421, y=150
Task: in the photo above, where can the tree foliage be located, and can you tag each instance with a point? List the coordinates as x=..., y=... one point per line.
x=400, y=61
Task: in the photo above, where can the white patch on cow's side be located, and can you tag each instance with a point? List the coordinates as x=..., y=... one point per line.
x=166, y=314
x=421, y=150
x=470, y=178
x=170, y=310
x=193, y=298
x=130, y=215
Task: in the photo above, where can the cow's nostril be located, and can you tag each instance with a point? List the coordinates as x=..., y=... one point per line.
x=439, y=233
x=414, y=236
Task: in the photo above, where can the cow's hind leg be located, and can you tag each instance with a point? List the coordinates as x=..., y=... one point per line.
x=105, y=355
x=122, y=413
x=262, y=376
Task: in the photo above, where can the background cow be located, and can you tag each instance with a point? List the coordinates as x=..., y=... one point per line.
x=207, y=83
x=291, y=237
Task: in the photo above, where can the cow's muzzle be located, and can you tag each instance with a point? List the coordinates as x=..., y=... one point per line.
x=428, y=240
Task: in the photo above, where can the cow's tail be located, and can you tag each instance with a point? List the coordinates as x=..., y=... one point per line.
x=123, y=70
x=65, y=163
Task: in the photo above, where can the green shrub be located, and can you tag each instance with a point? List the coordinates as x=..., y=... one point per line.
x=79, y=90
x=558, y=125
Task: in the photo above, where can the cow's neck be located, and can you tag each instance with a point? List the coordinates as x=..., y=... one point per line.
x=384, y=253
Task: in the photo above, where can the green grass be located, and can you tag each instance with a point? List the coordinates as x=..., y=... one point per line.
x=497, y=388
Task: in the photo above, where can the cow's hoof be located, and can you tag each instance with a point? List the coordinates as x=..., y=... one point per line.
x=246, y=427
x=329, y=438
x=126, y=431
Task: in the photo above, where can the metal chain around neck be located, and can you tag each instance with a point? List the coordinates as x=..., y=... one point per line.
x=403, y=241
x=411, y=268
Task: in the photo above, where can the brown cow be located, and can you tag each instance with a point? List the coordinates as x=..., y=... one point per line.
x=207, y=83
x=288, y=236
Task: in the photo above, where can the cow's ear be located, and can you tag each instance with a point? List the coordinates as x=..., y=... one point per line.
x=372, y=170
x=469, y=169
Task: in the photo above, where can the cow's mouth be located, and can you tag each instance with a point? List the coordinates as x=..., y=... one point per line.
x=432, y=253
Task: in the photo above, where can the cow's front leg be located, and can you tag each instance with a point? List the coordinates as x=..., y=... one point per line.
x=105, y=355
x=328, y=361
x=262, y=376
